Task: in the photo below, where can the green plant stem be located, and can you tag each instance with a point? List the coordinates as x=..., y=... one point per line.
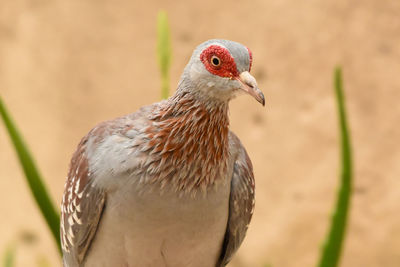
x=33, y=177
x=9, y=256
x=163, y=51
x=333, y=246
x=165, y=88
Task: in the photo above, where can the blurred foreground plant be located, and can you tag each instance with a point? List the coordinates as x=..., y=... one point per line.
x=334, y=242
x=32, y=176
x=9, y=256
x=163, y=51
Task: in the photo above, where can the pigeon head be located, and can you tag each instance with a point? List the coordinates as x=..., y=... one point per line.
x=220, y=70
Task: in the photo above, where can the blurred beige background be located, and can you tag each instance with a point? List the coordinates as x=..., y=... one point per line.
x=66, y=65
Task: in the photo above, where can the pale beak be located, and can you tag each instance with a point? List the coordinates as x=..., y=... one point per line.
x=249, y=85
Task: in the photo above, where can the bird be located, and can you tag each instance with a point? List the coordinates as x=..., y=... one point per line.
x=170, y=184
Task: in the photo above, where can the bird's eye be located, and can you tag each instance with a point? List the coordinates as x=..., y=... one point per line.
x=215, y=61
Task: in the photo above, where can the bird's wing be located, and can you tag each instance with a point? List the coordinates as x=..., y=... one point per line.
x=84, y=201
x=241, y=205
x=81, y=209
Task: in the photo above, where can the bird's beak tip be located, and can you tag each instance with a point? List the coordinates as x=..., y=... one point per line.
x=249, y=85
x=260, y=98
x=263, y=101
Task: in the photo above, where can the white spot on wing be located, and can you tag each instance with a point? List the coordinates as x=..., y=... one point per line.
x=71, y=233
x=69, y=238
x=77, y=186
x=70, y=221
x=81, y=194
x=75, y=216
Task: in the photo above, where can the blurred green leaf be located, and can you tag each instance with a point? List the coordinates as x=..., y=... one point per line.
x=333, y=245
x=9, y=256
x=163, y=51
x=32, y=176
x=42, y=261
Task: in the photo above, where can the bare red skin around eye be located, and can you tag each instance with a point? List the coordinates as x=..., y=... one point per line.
x=226, y=69
x=251, y=58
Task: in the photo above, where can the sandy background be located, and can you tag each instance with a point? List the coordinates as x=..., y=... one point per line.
x=66, y=65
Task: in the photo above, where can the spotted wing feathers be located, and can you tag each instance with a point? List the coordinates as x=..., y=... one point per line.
x=241, y=206
x=81, y=208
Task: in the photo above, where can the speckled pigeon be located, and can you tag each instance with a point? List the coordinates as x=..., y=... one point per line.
x=168, y=185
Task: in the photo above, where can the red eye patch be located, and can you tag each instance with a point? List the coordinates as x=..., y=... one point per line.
x=251, y=58
x=226, y=68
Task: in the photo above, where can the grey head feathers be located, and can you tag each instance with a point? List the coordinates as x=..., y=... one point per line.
x=238, y=51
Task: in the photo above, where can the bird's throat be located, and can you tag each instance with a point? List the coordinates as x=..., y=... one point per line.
x=192, y=137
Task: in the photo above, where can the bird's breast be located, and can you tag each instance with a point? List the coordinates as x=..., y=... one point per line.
x=145, y=228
